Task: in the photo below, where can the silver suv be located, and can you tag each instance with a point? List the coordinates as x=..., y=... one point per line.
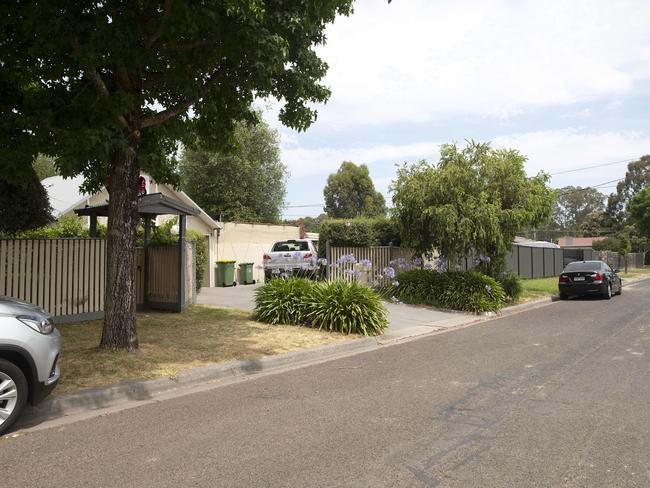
x=29, y=352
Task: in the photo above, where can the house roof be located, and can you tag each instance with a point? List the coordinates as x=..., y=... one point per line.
x=65, y=195
x=151, y=204
x=578, y=241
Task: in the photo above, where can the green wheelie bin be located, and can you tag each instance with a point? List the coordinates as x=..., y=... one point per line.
x=224, y=274
x=246, y=273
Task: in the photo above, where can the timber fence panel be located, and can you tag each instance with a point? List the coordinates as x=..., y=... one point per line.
x=62, y=276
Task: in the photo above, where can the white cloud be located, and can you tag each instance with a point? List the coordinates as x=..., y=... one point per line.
x=305, y=162
x=420, y=60
x=559, y=150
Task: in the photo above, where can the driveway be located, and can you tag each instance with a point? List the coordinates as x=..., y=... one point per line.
x=404, y=320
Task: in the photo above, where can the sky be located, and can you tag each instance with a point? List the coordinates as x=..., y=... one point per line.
x=565, y=83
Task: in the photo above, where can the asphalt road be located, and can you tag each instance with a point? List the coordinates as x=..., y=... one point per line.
x=557, y=396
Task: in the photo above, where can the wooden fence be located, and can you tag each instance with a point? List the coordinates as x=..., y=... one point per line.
x=63, y=276
x=66, y=277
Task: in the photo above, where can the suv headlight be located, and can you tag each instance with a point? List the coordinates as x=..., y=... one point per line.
x=44, y=326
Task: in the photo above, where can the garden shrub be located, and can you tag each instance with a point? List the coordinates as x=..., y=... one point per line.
x=512, y=287
x=346, y=307
x=283, y=301
x=468, y=291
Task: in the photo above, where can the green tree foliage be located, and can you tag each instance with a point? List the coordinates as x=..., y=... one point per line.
x=574, y=205
x=474, y=200
x=312, y=224
x=246, y=184
x=637, y=178
x=44, y=166
x=595, y=224
x=112, y=88
x=359, y=232
x=619, y=243
x=351, y=193
x=640, y=212
x=24, y=205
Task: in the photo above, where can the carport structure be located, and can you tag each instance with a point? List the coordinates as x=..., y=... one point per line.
x=151, y=271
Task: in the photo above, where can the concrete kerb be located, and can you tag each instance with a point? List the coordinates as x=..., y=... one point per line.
x=103, y=398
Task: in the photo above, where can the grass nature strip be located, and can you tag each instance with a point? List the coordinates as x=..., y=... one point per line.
x=171, y=342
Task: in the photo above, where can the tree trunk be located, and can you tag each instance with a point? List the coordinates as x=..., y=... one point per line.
x=120, y=304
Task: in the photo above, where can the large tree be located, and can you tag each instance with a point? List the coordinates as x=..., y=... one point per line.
x=474, y=200
x=351, y=193
x=24, y=204
x=637, y=177
x=245, y=184
x=640, y=212
x=574, y=206
x=112, y=87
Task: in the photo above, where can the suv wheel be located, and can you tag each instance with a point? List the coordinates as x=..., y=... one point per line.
x=13, y=394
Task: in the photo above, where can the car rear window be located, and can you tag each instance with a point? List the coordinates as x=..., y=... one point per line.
x=586, y=266
x=290, y=246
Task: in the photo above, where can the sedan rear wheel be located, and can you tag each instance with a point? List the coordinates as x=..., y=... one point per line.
x=13, y=394
x=608, y=292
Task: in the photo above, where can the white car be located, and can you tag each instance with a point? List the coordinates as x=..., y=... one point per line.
x=29, y=353
x=291, y=257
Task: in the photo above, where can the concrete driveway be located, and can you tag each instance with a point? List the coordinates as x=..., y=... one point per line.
x=404, y=320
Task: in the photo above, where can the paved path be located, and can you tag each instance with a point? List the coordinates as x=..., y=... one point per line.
x=557, y=396
x=405, y=320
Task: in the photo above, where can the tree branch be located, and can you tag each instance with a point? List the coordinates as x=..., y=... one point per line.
x=161, y=26
x=98, y=82
x=164, y=115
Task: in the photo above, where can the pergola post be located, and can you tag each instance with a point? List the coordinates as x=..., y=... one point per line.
x=182, y=223
x=145, y=274
x=93, y=225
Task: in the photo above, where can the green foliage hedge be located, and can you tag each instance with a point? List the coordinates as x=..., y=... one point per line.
x=358, y=232
x=337, y=306
x=468, y=291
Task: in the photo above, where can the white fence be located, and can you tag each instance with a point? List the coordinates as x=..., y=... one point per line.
x=380, y=256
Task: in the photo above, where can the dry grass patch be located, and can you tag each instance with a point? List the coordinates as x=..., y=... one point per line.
x=172, y=342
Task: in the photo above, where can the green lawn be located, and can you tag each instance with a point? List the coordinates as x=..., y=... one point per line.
x=544, y=287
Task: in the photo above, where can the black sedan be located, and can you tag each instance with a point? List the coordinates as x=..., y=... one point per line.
x=589, y=278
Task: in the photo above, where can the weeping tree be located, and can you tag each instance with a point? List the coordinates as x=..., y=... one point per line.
x=113, y=87
x=473, y=201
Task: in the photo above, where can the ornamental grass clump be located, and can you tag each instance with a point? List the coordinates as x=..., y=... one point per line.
x=346, y=307
x=283, y=301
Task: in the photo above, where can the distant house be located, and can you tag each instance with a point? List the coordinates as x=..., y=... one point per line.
x=578, y=242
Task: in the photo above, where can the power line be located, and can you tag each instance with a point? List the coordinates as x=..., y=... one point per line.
x=306, y=206
x=582, y=168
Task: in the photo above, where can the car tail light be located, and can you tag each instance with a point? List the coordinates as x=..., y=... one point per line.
x=266, y=257
x=597, y=278
x=307, y=256
x=564, y=279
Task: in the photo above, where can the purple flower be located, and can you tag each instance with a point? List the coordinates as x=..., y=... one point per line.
x=428, y=266
x=365, y=262
x=389, y=273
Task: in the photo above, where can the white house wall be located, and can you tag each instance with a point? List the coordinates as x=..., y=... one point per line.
x=247, y=243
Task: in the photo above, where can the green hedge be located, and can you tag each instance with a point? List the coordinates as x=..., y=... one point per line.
x=338, y=306
x=358, y=232
x=468, y=291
